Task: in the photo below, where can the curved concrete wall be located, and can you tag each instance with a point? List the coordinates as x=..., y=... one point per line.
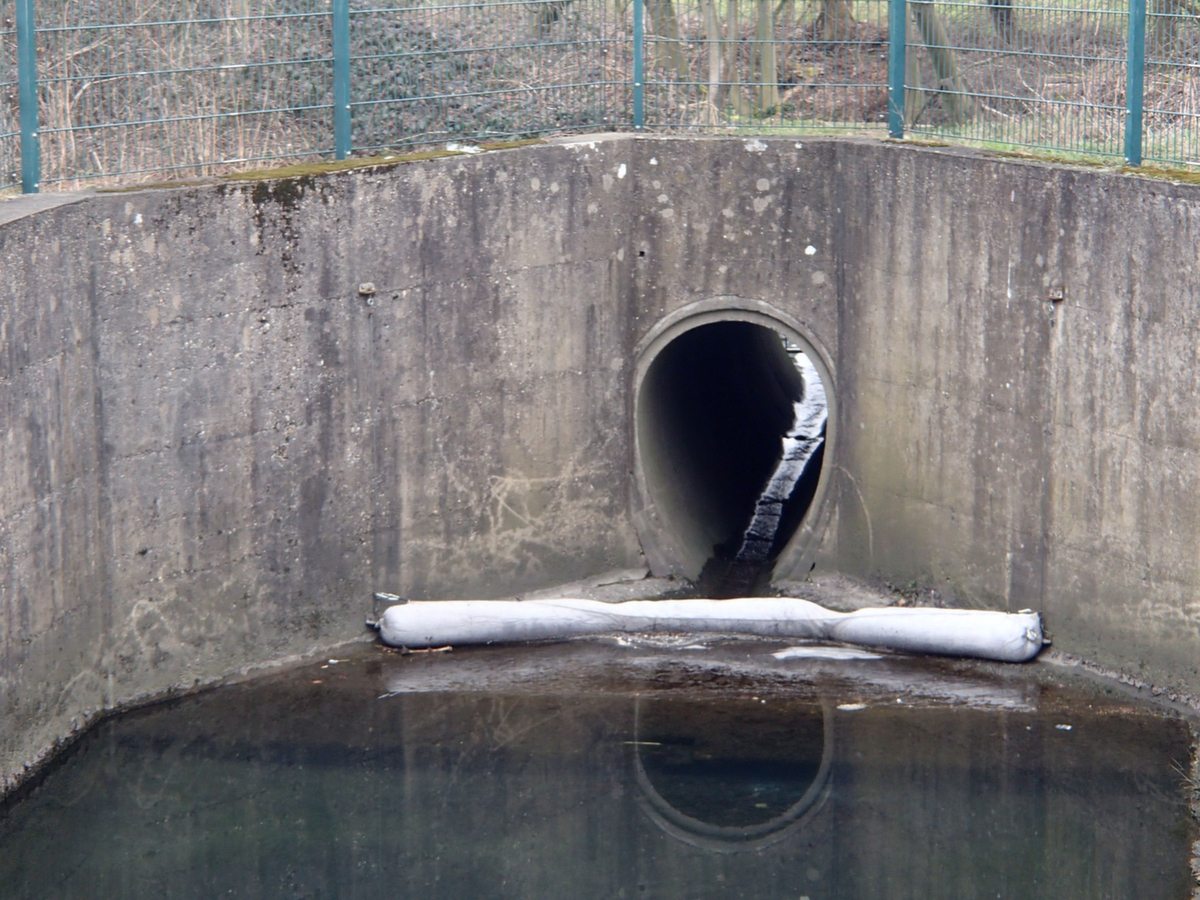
x=213, y=447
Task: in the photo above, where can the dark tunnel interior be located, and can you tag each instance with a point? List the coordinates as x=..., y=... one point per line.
x=712, y=412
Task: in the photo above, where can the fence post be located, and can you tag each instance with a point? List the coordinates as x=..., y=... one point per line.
x=341, y=78
x=639, y=41
x=31, y=156
x=897, y=50
x=1135, y=82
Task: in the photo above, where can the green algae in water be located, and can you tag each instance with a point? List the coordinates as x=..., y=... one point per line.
x=388, y=776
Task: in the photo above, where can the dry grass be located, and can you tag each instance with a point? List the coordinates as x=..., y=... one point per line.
x=199, y=96
x=239, y=83
x=1059, y=81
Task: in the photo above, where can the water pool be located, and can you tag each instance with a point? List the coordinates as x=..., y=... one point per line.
x=590, y=769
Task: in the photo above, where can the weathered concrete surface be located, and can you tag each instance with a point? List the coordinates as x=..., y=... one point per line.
x=212, y=447
x=1018, y=450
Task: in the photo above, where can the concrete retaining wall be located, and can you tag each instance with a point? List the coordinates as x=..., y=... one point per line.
x=1027, y=452
x=213, y=447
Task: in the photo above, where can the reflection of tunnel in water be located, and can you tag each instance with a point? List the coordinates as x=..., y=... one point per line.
x=714, y=409
x=731, y=774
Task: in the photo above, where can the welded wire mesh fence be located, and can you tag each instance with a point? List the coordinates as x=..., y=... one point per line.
x=9, y=103
x=424, y=72
x=1049, y=75
x=133, y=86
x=1172, y=83
x=766, y=64
x=142, y=89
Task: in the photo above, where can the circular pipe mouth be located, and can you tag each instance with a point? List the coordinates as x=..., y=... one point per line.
x=717, y=393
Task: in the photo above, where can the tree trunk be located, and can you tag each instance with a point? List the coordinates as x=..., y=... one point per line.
x=836, y=20
x=951, y=86
x=669, y=53
x=712, y=34
x=768, y=69
x=737, y=100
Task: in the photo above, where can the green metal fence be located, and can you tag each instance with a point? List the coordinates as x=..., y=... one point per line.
x=1056, y=75
x=141, y=87
x=1172, y=82
x=145, y=89
x=1051, y=75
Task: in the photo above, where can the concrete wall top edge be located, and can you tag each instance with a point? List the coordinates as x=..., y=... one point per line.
x=1152, y=180
x=23, y=205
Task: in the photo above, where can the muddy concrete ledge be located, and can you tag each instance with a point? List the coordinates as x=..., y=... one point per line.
x=232, y=411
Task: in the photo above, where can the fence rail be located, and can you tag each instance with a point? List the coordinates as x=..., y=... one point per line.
x=103, y=90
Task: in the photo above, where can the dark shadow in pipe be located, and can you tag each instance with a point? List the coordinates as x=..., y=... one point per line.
x=713, y=410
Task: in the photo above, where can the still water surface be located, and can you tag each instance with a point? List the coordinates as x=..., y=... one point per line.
x=585, y=771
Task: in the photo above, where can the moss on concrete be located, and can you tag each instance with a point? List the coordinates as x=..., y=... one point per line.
x=1161, y=173
x=914, y=142
x=303, y=173
x=1058, y=159
x=510, y=145
x=308, y=170
x=1165, y=173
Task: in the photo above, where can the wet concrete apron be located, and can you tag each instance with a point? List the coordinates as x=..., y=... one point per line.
x=672, y=768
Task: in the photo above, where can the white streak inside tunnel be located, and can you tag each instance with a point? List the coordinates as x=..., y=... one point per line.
x=800, y=443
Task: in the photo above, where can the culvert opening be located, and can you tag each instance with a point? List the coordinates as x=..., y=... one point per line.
x=731, y=422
